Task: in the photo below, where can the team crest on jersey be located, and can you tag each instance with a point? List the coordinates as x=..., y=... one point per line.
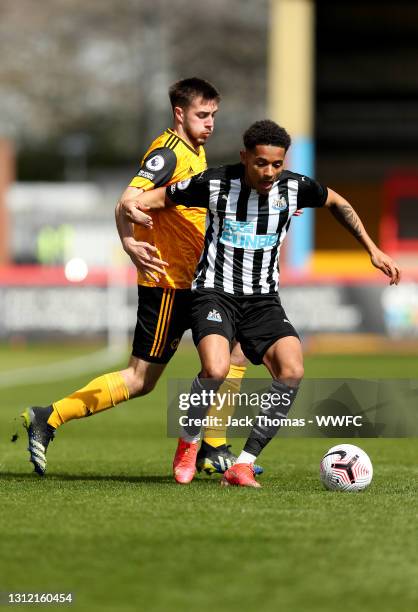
x=183, y=184
x=214, y=316
x=155, y=163
x=175, y=343
x=279, y=204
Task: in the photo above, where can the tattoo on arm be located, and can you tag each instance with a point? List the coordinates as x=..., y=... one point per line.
x=348, y=217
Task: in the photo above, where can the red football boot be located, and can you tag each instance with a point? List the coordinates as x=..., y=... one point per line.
x=184, y=463
x=240, y=474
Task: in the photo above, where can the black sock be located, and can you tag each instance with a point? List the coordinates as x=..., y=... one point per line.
x=202, y=387
x=264, y=430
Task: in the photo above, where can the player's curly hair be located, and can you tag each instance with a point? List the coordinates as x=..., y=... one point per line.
x=182, y=93
x=266, y=132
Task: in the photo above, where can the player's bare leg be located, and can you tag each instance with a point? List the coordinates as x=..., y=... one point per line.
x=284, y=360
x=215, y=454
x=141, y=376
x=215, y=357
x=237, y=356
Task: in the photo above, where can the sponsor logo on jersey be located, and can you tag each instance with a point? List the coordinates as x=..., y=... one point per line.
x=279, y=204
x=242, y=235
x=148, y=175
x=155, y=163
x=214, y=316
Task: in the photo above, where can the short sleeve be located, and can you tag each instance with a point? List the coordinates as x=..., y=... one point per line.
x=311, y=194
x=191, y=192
x=158, y=168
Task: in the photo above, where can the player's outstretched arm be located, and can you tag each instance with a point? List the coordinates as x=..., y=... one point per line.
x=135, y=205
x=347, y=216
x=129, y=206
x=143, y=255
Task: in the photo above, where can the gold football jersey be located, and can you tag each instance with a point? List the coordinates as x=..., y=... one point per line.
x=177, y=232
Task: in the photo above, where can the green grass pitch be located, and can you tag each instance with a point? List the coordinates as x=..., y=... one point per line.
x=110, y=525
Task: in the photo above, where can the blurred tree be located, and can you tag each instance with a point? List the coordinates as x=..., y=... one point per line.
x=98, y=72
x=67, y=65
x=102, y=69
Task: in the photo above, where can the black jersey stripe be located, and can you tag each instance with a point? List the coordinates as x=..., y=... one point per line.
x=224, y=190
x=186, y=144
x=237, y=283
x=218, y=280
x=270, y=280
x=169, y=140
x=202, y=266
x=173, y=142
x=242, y=202
x=256, y=272
x=263, y=214
x=238, y=256
x=286, y=218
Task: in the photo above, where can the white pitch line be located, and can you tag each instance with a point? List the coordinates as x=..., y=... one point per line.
x=61, y=370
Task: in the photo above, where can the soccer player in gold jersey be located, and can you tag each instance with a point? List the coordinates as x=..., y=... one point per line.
x=165, y=255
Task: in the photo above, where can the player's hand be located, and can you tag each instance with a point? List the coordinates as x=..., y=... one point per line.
x=144, y=257
x=298, y=213
x=386, y=264
x=134, y=211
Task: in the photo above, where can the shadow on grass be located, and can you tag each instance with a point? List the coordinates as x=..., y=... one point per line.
x=9, y=476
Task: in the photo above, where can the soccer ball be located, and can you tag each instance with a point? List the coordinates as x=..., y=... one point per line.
x=346, y=467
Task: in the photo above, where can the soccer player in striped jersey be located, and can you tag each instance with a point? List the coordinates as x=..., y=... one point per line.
x=165, y=256
x=235, y=288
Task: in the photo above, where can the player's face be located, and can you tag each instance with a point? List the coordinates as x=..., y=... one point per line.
x=199, y=120
x=263, y=165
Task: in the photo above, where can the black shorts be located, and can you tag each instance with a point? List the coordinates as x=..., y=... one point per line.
x=162, y=318
x=256, y=321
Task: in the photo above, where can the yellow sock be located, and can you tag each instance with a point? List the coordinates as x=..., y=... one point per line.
x=216, y=435
x=99, y=394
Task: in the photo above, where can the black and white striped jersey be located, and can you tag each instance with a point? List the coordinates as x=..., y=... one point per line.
x=244, y=230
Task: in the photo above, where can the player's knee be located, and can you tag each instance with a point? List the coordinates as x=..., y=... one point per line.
x=297, y=372
x=292, y=372
x=216, y=370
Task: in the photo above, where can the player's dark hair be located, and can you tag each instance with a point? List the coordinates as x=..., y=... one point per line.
x=266, y=132
x=182, y=93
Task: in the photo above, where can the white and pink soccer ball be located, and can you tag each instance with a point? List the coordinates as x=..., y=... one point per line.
x=346, y=467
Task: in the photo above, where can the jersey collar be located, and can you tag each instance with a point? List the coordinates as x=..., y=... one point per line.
x=186, y=144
